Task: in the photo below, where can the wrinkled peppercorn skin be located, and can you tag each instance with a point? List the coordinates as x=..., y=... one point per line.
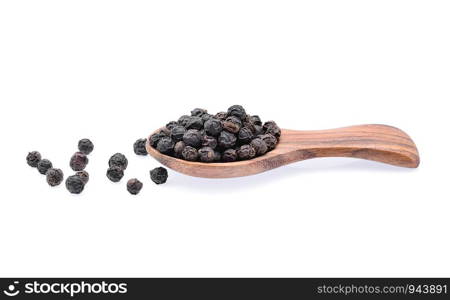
x=193, y=138
x=189, y=153
x=238, y=111
x=114, y=173
x=43, y=166
x=85, y=146
x=83, y=175
x=159, y=175
x=74, y=184
x=139, y=147
x=33, y=158
x=118, y=160
x=79, y=161
x=134, y=186
x=54, y=176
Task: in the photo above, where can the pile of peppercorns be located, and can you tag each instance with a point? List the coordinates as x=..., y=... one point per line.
x=78, y=162
x=223, y=137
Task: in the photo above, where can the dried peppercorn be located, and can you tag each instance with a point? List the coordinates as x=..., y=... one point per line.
x=178, y=149
x=232, y=124
x=74, y=184
x=54, y=176
x=238, y=111
x=195, y=123
x=256, y=120
x=139, y=147
x=190, y=153
x=209, y=141
x=213, y=127
x=83, y=175
x=258, y=130
x=270, y=141
x=198, y=112
x=206, y=154
x=118, y=160
x=206, y=117
x=114, y=173
x=246, y=152
x=272, y=128
x=221, y=115
x=154, y=138
x=171, y=125
x=159, y=175
x=78, y=161
x=226, y=139
x=165, y=145
x=85, y=146
x=259, y=145
x=177, y=133
x=245, y=135
x=229, y=155
x=184, y=120
x=134, y=186
x=33, y=158
x=43, y=166
x=193, y=138
x=217, y=155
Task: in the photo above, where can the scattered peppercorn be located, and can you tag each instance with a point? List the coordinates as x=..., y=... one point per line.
x=78, y=161
x=33, y=158
x=54, y=176
x=85, y=146
x=43, y=166
x=114, y=173
x=159, y=175
x=134, y=186
x=139, y=147
x=225, y=136
x=83, y=175
x=118, y=160
x=74, y=184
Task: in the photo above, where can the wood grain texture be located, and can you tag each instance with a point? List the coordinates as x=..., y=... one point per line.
x=380, y=143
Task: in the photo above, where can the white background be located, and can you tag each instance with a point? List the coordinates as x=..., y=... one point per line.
x=113, y=71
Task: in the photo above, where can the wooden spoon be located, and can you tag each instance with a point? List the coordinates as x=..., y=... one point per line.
x=380, y=143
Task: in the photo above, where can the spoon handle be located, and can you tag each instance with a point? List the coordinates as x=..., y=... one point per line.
x=380, y=143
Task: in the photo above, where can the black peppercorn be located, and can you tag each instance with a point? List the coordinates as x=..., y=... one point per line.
x=259, y=145
x=226, y=139
x=78, y=161
x=165, y=145
x=189, y=153
x=171, y=125
x=154, y=138
x=118, y=160
x=74, y=184
x=270, y=141
x=217, y=155
x=272, y=128
x=195, y=123
x=232, y=124
x=33, y=158
x=206, y=117
x=206, y=154
x=229, y=155
x=238, y=111
x=43, y=166
x=134, y=186
x=198, y=112
x=221, y=115
x=246, y=152
x=258, y=130
x=159, y=175
x=245, y=135
x=139, y=147
x=114, y=173
x=209, y=141
x=184, y=120
x=213, y=127
x=193, y=138
x=85, y=146
x=83, y=175
x=255, y=120
x=54, y=176
x=178, y=149
x=177, y=133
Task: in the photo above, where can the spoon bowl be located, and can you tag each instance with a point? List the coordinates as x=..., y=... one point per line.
x=375, y=142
